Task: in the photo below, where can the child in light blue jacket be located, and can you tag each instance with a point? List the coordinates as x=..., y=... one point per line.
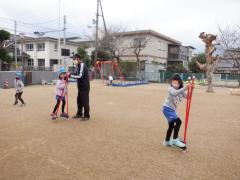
x=176, y=92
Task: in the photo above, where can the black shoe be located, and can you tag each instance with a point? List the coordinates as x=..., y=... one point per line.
x=85, y=118
x=77, y=116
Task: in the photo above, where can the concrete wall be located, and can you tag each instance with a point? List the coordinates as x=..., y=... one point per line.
x=9, y=75
x=37, y=77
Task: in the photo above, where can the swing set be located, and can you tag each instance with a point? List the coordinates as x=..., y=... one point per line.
x=106, y=68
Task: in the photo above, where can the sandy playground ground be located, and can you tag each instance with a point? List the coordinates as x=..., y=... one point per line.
x=123, y=139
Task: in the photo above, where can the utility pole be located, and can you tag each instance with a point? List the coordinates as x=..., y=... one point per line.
x=104, y=22
x=64, y=40
x=22, y=41
x=15, y=44
x=59, y=26
x=96, y=39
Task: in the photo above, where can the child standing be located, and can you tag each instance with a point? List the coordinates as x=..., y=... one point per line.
x=176, y=92
x=61, y=90
x=110, y=78
x=19, y=90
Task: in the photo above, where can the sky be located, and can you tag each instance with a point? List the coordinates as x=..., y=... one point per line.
x=182, y=20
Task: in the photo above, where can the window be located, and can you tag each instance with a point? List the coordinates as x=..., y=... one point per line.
x=162, y=46
x=174, y=50
x=41, y=64
x=142, y=65
x=139, y=42
x=53, y=61
x=41, y=47
x=56, y=47
x=30, y=63
x=29, y=47
x=65, y=52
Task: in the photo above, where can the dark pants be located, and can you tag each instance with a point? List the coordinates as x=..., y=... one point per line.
x=57, y=105
x=18, y=96
x=173, y=125
x=83, y=104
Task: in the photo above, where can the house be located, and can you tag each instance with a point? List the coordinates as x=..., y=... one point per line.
x=178, y=54
x=229, y=62
x=43, y=52
x=154, y=53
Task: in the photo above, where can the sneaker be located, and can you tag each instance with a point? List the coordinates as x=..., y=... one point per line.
x=65, y=115
x=15, y=104
x=178, y=143
x=23, y=104
x=77, y=116
x=54, y=116
x=167, y=143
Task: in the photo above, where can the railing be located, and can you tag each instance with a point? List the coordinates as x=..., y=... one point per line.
x=39, y=68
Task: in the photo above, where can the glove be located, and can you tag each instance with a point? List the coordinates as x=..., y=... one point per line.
x=68, y=74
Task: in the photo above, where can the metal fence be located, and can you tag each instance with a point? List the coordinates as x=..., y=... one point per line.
x=227, y=80
x=166, y=76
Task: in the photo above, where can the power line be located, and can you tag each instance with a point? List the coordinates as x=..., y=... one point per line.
x=49, y=21
x=32, y=27
x=29, y=24
x=21, y=26
x=10, y=29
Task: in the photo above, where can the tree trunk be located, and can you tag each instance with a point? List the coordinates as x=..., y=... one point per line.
x=239, y=77
x=138, y=67
x=209, y=73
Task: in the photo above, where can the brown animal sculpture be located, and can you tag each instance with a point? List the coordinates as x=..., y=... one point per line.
x=209, y=66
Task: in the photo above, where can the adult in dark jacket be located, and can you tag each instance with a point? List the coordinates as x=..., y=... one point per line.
x=81, y=74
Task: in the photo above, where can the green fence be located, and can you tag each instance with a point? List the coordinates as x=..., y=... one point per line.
x=229, y=77
x=166, y=76
x=201, y=77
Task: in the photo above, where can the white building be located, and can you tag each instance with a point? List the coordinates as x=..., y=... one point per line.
x=44, y=54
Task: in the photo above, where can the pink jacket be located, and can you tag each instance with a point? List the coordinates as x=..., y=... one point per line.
x=61, y=89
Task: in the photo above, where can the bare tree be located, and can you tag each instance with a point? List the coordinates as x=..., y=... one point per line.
x=230, y=44
x=209, y=66
x=112, y=41
x=137, y=46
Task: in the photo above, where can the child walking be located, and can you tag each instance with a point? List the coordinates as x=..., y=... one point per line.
x=60, y=90
x=176, y=92
x=19, y=90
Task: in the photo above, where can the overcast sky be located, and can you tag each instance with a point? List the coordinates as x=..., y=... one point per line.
x=182, y=20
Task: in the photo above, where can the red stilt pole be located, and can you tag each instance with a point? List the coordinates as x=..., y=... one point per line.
x=67, y=95
x=188, y=105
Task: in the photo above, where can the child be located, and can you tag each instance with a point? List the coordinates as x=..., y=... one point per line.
x=176, y=92
x=61, y=90
x=19, y=90
x=110, y=78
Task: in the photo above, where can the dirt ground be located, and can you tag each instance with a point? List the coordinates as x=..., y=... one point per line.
x=123, y=139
